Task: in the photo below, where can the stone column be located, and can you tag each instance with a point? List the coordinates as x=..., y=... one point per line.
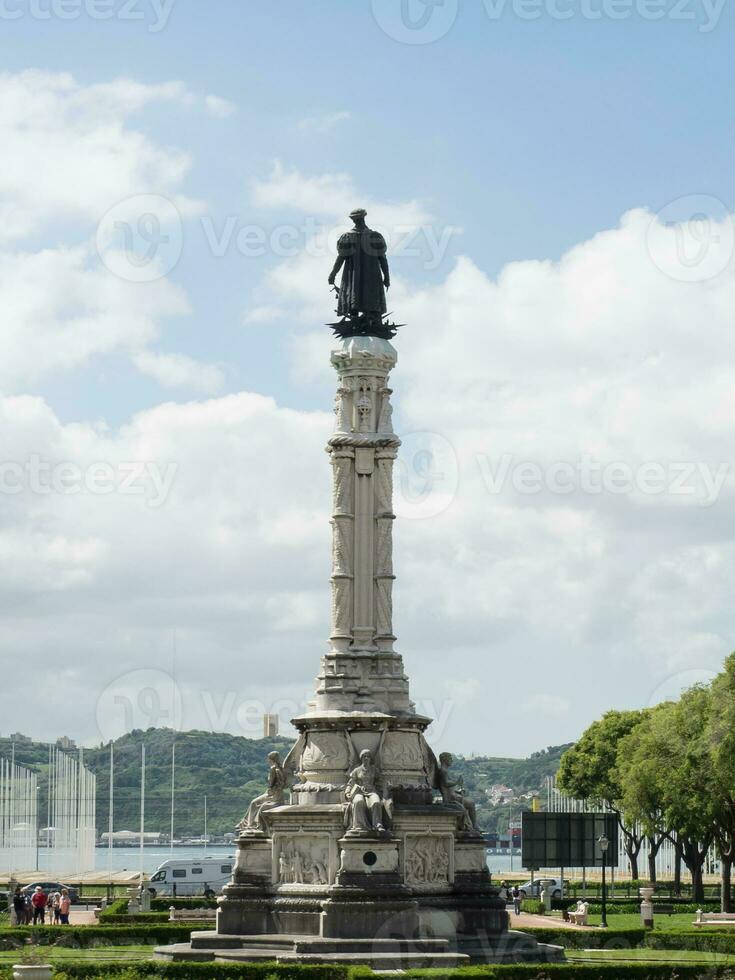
x=363, y=449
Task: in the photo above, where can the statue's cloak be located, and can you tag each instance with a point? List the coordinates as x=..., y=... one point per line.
x=361, y=289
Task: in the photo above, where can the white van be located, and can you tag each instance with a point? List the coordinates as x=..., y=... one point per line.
x=192, y=877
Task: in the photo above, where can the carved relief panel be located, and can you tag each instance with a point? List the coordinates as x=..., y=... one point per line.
x=303, y=859
x=428, y=860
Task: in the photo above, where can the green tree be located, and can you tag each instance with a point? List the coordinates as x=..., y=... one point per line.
x=589, y=771
x=722, y=750
x=667, y=780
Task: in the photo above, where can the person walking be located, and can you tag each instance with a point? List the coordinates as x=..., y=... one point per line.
x=64, y=907
x=517, y=899
x=54, y=902
x=38, y=901
x=19, y=907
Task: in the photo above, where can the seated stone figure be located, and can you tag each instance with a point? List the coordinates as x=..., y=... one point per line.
x=274, y=796
x=366, y=809
x=452, y=791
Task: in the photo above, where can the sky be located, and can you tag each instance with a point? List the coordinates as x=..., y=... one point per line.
x=554, y=178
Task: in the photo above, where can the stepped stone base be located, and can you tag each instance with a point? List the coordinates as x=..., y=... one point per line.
x=310, y=891
x=383, y=954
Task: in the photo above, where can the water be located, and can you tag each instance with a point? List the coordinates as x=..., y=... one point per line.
x=128, y=858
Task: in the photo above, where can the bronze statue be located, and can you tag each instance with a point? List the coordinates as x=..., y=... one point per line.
x=361, y=254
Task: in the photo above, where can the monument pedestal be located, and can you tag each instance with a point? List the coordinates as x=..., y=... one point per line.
x=376, y=858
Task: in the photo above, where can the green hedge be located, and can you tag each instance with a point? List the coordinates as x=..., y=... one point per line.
x=209, y=971
x=188, y=902
x=578, y=971
x=117, y=913
x=277, y=971
x=704, y=939
x=533, y=906
x=86, y=936
x=590, y=938
x=621, y=907
x=118, y=907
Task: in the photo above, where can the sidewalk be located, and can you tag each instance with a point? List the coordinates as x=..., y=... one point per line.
x=543, y=922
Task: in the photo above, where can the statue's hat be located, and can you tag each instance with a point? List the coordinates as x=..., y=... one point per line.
x=357, y=213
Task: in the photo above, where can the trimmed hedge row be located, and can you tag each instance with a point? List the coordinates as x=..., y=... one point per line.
x=143, y=918
x=187, y=902
x=82, y=937
x=277, y=971
x=623, y=907
x=117, y=913
x=591, y=938
x=579, y=971
x=703, y=939
x=208, y=971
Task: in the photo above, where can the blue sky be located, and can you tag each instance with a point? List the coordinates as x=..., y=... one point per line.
x=530, y=135
x=550, y=328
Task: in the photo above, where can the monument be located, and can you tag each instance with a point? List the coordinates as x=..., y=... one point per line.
x=375, y=856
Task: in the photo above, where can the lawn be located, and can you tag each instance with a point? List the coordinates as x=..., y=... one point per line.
x=673, y=956
x=667, y=923
x=97, y=954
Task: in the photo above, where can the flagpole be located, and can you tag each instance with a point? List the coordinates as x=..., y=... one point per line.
x=173, y=786
x=142, y=807
x=110, y=820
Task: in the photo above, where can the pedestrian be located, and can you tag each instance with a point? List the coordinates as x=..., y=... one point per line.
x=64, y=906
x=38, y=901
x=19, y=907
x=55, y=901
x=517, y=899
x=29, y=908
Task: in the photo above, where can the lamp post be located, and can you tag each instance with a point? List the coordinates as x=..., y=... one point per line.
x=603, y=843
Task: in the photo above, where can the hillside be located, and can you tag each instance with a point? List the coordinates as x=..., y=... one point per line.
x=229, y=770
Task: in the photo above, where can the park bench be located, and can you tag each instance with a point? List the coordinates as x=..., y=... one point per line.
x=663, y=909
x=189, y=915
x=714, y=918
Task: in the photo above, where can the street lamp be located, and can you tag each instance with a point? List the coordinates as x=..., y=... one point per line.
x=603, y=843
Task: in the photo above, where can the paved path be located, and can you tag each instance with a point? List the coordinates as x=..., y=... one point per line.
x=82, y=917
x=542, y=922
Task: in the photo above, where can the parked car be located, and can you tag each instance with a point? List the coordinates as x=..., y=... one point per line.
x=52, y=886
x=533, y=889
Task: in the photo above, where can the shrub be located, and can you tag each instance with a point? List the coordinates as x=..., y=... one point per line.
x=83, y=937
x=187, y=902
x=279, y=971
x=589, y=938
x=707, y=940
x=207, y=971
x=533, y=906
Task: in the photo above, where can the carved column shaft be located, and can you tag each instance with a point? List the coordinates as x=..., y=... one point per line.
x=363, y=448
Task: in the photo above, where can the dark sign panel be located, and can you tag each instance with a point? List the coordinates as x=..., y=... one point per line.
x=568, y=840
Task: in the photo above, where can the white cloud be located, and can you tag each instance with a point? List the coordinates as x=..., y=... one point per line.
x=218, y=107
x=68, y=152
x=61, y=308
x=592, y=597
x=180, y=371
x=109, y=576
x=324, y=122
x=332, y=197
x=71, y=157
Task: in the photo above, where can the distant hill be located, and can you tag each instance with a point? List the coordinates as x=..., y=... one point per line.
x=230, y=770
